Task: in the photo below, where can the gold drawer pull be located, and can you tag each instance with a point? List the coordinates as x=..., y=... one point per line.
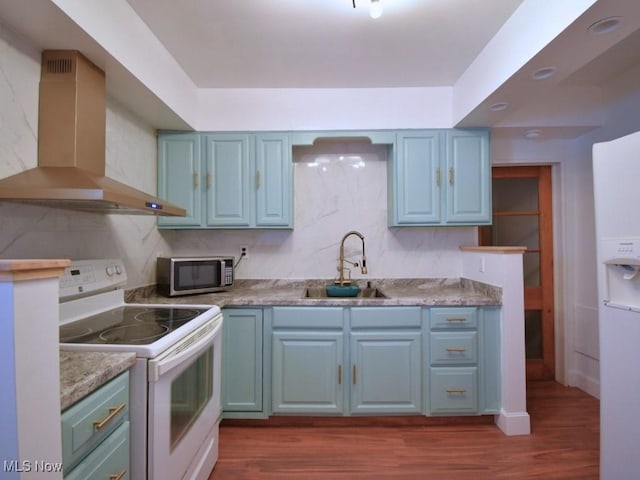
x=451, y=176
x=355, y=372
x=118, y=476
x=113, y=411
x=438, y=176
x=209, y=175
x=258, y=180
x=196, y=180
x=456, y=319
x=456, y=390
x=339, y=374
x=457, y=350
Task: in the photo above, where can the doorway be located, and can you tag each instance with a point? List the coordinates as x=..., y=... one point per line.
x=522, y=216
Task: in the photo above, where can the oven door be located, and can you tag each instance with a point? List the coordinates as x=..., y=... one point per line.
x=184, y=406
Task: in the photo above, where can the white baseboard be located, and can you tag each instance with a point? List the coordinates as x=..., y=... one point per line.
x=584, y=383
x=514, y=423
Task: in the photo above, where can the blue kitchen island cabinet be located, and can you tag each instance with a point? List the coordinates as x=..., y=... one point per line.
x=226, y=180
x=242, y=367
x=440, y=177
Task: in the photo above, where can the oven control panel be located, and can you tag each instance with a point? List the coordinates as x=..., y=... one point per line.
x=85, y=277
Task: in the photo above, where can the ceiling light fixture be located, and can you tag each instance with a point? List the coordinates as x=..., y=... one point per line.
x=375, y=8
x=544, y=72
x=605, y=25
x=499, y=106
x=535, y=133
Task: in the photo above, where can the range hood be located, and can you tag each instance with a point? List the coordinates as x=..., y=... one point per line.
x=71, y=146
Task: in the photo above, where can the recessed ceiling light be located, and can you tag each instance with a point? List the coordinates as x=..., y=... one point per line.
x=532, y=133
x=544, y=72
x=499, y=106
x=604, y=25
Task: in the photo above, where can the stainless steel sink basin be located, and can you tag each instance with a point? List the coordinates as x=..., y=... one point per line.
x=364, y=293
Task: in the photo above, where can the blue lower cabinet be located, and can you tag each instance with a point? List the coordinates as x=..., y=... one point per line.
x=308, y=372
x=386, y=373
x=242, y=363
x=464, y=361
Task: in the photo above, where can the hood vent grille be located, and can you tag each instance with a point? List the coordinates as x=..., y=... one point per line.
x=58, y=65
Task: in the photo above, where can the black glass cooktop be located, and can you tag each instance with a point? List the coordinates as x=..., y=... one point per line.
x=128, y=325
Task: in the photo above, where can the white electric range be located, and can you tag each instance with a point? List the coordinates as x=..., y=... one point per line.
x=175, y=404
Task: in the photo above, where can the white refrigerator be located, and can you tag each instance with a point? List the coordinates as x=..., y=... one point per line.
x=616, y=176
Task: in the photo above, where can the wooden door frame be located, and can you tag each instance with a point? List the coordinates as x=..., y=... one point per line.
x=539, y=298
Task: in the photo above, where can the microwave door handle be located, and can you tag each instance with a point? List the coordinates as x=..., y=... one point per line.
x=166, y=362
x=222, y=267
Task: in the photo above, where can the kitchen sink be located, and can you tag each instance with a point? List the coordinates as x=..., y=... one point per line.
x=364, y=293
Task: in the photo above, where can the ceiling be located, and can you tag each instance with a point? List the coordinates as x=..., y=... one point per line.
x=324, y=43
x=312, y=44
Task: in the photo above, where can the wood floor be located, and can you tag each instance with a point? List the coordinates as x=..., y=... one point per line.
x=564, y=444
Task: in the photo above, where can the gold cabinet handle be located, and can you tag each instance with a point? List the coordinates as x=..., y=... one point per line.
x=113, y=411
x=257, y=179
x=456, y=390
x=208, y=181
x=456, y=319
x=451, y=176
x=118, y=476
x=196, y=179
x=456, y=349
x=438, y=176
x=339, y=374
x=355, y=373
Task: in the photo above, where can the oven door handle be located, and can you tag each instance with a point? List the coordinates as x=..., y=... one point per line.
x=191, y=347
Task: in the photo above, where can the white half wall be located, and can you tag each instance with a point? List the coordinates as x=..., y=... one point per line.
x=505, y=270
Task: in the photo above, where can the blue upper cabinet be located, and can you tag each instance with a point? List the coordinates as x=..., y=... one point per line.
x=440, y=177
x=273, y=178
x=226, y=180
x=179, y=172
x=468, y=177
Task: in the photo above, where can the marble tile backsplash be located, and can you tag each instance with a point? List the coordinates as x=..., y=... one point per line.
x=338, y=187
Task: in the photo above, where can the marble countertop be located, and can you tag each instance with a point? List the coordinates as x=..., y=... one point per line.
x=420, y=292
x=83, y=372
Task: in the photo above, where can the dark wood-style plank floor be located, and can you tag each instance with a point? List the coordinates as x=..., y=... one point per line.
x=564, y=444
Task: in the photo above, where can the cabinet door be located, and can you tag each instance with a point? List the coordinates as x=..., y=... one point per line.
x=179, y=177
x=468, y=177
x=227, y=180
x=386, y=372
x=273, y=179
x=242, y=360
x=307, y=372
x=416, y=178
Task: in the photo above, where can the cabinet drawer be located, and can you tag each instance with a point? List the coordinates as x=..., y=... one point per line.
x=386, y=317
x=89, y=421
x=109, y=460
x=453, y=317
x=454, y=348
x=454, y=390
x=308, y=317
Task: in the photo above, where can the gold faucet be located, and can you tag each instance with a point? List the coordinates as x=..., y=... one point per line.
x=341, y=267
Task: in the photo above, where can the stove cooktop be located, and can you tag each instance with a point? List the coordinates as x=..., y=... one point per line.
x=128, y=325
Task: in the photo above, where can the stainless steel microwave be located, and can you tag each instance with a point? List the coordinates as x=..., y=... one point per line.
x=188, y=275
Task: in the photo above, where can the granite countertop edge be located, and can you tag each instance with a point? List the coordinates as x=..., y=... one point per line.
x=83, y=372
x=399, y=292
